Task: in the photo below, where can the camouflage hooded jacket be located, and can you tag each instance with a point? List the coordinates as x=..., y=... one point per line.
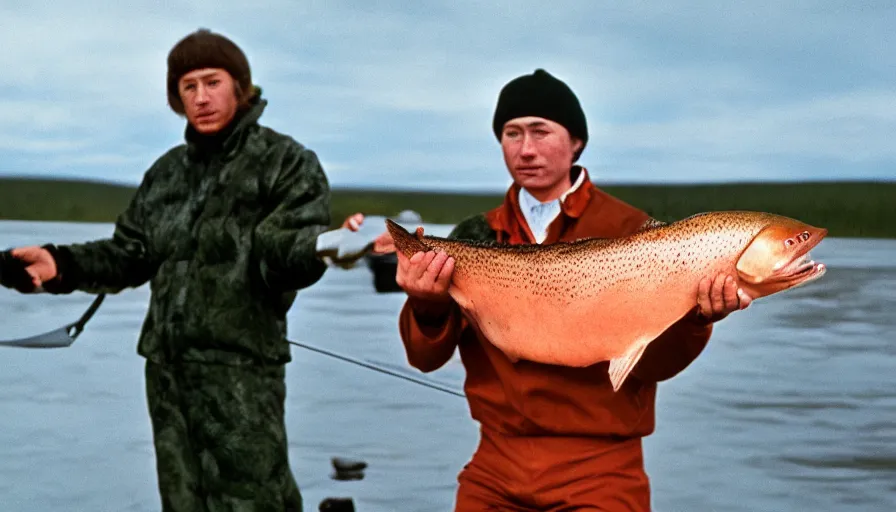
x=225, y=233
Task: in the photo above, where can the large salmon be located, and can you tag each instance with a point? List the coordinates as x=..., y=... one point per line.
x=580, y=303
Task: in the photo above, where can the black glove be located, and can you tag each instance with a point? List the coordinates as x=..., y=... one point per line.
x=13, y=274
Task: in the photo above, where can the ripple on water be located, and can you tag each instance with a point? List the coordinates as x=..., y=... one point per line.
x=878, y=465
x=792, y=404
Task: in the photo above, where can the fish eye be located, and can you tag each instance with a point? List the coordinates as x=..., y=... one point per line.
x=789, y=242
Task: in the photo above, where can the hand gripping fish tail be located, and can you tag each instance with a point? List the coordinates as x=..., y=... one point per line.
x=405, y=242
x=596, y=298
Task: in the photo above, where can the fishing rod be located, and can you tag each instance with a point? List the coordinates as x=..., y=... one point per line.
x=380, y=369
x=65, y=336
x=57, y=338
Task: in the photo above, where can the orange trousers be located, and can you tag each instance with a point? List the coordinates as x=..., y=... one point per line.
x=523, y=474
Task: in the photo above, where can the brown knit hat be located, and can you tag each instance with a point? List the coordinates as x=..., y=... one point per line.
x=206, y=49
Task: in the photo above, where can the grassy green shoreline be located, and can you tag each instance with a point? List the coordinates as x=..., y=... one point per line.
x=846, y=209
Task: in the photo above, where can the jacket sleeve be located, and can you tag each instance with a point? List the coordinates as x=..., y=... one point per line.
x=109, y=265
x=675, y=349
x=429, y=342
x=285, y=239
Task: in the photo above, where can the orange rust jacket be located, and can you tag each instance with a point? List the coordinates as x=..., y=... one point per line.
x=531, y=399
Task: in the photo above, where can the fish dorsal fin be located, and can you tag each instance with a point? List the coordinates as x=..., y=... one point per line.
x=621, y=366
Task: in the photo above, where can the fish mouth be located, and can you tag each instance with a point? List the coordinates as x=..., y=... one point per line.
x=802, y=270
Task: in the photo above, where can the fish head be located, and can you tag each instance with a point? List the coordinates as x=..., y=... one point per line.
x=778, y=257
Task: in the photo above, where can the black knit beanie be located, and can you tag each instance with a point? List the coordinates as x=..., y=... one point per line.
x=542, y=95
x=206, y=49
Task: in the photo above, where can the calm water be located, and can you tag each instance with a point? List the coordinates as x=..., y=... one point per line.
x=791, y=407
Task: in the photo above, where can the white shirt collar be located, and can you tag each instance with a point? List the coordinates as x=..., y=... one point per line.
x=540, y=215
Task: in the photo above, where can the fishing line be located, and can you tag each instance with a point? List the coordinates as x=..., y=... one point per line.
x=380, y=369
x=74, y=329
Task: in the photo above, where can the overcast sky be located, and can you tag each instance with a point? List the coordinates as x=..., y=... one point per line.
x=400, y=94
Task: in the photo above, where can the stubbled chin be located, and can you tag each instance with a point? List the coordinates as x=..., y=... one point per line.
x=207, y=127
x=531, y=180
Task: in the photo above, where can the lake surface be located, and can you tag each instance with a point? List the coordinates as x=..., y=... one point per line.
x=792, y=406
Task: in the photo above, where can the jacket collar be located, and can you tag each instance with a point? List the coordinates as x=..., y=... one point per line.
x=508, y=220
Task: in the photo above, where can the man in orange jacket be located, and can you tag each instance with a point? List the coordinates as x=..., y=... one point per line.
x=552, y=437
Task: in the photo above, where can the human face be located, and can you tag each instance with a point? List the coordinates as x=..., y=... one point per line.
x=539, y=153
x=209, y=99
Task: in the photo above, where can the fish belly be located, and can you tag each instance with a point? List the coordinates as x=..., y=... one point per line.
x=569, y=329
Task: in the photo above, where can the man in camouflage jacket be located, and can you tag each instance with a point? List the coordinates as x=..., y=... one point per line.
x=224, y=228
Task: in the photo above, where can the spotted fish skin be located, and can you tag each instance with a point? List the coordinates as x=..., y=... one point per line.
x=593, y=300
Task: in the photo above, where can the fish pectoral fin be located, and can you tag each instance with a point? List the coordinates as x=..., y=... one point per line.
x=461, y=299
x=621, y=366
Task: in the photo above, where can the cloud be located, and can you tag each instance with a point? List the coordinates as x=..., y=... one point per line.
x=400, y=94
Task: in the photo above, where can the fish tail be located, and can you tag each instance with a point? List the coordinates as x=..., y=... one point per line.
x=404, y=241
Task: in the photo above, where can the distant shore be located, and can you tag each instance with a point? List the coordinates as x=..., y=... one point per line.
x=846, y=209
